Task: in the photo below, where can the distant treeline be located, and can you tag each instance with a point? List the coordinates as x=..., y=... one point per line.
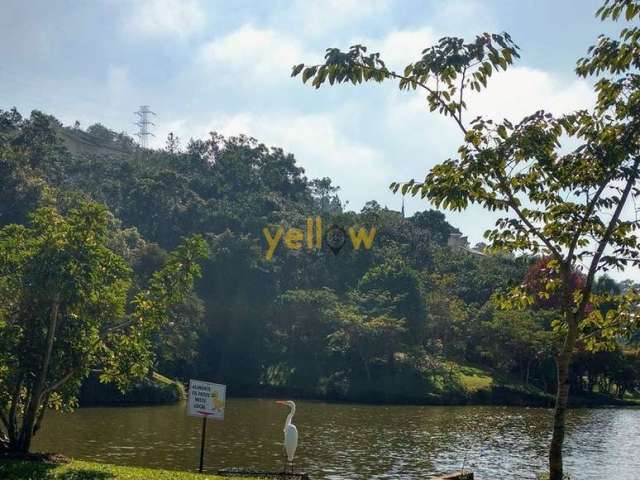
x=410, y=319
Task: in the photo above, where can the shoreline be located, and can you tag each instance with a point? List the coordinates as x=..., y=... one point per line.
x=588, y=402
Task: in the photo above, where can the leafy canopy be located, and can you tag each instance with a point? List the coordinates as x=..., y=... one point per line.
x=566, y=205
x=68, y=308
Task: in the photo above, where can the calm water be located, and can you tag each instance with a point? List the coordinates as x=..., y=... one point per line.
x=353, y=441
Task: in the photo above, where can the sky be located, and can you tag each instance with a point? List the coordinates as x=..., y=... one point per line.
x=225, y=66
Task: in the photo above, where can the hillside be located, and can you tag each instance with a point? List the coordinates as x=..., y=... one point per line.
x=279, y=310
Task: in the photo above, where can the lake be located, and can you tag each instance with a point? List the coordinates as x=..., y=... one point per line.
x=346, y=441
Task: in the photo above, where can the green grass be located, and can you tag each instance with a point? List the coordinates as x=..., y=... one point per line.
x=474, y=379
x=81, y=470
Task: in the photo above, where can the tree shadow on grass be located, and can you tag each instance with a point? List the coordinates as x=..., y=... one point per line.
x=20, y=469
x=26, y=470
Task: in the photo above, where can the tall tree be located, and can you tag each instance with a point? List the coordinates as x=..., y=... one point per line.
x=393, y=288
x=568, y=206
x=63, y=312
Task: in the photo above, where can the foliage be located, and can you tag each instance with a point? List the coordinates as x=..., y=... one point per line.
x=393, y=288
x=565, y=205
x=306, y=323
x=540, y=283
x=66, y=311
x=301, y=323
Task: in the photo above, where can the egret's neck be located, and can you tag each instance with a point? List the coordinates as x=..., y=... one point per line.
x=290, y=416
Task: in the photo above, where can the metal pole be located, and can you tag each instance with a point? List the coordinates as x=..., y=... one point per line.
x=204, y=434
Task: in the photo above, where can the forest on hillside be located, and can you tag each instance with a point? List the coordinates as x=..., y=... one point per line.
x=408, y=320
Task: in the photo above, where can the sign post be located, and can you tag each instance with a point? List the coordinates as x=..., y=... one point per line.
x=204, y=435
x=206, y=400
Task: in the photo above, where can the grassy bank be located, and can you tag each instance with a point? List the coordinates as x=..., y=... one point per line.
x=80, y=470
x=455, y=384
x=475, y=386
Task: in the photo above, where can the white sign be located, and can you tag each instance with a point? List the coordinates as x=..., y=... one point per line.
x=207, y=399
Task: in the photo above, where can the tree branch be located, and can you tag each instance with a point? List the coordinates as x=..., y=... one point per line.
x=532, y=229
x=411, y=80
x=60, y=382
x=5, y=419
x=586, y=291
x=590, y=207
x=512, y=203
x=43, y=410
x=464, y=72
x=13, y=419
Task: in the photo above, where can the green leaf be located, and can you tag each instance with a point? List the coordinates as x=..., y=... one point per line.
x=308, y=73
x=297, y=69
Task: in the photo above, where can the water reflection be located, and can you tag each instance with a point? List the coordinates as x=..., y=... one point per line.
x=354, y=441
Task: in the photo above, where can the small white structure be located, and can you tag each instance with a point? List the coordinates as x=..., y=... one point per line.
x=459, y=241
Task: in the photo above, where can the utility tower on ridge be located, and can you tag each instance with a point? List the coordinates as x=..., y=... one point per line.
x=143, y=123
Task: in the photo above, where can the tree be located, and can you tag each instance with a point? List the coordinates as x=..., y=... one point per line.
x=172, y=145
x=516, y=341
x=366, y=337
x=301, y=323
x=64, y=312
x=325, y=196
x=108, y=137
x=393, y=288
x=536, y=282
x=568, y=206
x=447, y=320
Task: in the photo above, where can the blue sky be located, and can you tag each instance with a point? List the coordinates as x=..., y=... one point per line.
x=224, y=66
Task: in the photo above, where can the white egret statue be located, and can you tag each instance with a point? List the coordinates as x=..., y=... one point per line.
x=290, y=434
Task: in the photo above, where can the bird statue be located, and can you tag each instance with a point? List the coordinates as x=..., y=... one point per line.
x=217, y=403
x=290, y=434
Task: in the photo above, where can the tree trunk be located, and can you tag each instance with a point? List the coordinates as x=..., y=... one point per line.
x=391, y=361
x=12, y=426
x=563, y=363
x=621, y=391
x=562, y=398
x=365, y=363
x=32, y=409
x=28, y=422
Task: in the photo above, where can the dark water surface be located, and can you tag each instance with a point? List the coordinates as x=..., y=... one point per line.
x=339, y=441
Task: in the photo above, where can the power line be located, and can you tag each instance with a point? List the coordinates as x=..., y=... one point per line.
x=143, y=124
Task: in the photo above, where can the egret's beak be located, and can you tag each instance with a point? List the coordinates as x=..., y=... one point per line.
x=281, y=402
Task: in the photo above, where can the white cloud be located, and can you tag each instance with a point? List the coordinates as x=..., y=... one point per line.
x=399, y=48
x=266, y=53
x=319, y=17
x=521, y=91
x=464, y=17
x=117, y=80
x=166, y=17
x=116, y=91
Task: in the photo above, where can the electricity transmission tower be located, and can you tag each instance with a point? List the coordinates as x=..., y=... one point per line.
x=143, y=124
